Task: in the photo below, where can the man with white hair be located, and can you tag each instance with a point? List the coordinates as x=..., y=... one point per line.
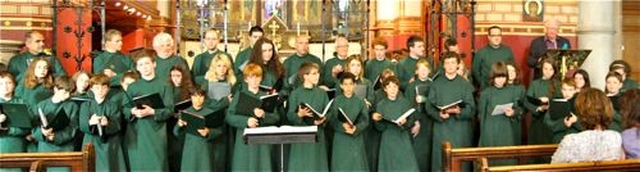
x=336, y=65
x=540, y=45
x=34, y=41
x=164, y=46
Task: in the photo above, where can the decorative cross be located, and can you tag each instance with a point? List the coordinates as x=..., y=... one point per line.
x=274, y=28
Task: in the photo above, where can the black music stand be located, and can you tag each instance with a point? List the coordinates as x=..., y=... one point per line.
x=281, y=135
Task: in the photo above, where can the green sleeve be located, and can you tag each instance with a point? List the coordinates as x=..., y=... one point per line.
x=477, y=67
x=67, y=134
x=482, y=107
x=431, y=106
x=556, y=126
x=98, y=62
x=234, y=119
x=292, y=114
x=196, y=69
x=363, y=120
x=469, y=108
x=380, y=125
x=530, y=106
x=177, y=130
x=114, y=119
x=15, y=131
x=84, y=116
x=58, y=69
x=168, y=99
x=215, y=133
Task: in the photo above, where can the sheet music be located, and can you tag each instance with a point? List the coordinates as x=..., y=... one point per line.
x=281, y=129
x=43, y=118
x=499, y=109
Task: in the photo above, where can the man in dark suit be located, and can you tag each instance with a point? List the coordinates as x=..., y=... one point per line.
x=540, y=45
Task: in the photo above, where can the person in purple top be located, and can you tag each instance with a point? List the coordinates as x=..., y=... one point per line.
x=631, y=113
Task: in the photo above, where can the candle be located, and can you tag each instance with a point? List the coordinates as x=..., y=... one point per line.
x=298, y=29
x=249, y=25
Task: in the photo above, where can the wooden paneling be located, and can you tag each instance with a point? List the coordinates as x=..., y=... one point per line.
x=631, y=35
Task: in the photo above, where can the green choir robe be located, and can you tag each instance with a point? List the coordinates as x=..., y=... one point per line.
x=348, y=153
x=222, y=147
x=175, y=142
x=63, y=139
x=628, y=84
x=500, y=130
x=117, y=62
x=19, y=64
x=406, y=69
x=456, y=129
x=539, y=132
x=108, y=147
x=486, y=57
x=396, y=150
x=242, y=59
x=12, y=140
x=308, y=156
x=198, y=153
x=422, y=142
x=163, y=66
x=374, y=67
x=292, y=66
x=34, y=95
x=369, y=93
x=326, y=78
x=202, y=62
x=146, y=138
x=253, y=157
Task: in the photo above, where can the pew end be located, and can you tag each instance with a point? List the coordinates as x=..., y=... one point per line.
x=452, y=158
x=76, y=161
x=619, y=165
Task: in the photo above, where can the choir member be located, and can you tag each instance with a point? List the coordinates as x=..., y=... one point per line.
x=202, y=61
x=81, y=80
x=380, y=62
x=101, y=121
x=396, y=151
x=371, y=134
x=293, y=62
x=496, y=51
x=181, y=82
x=335, y=65
x=111, y=61
x=308, y=156
x=12, y=139
x=60, y=139
x=196, y=155
x=250, y=157
x=146, y=134
x=348, y=150
x=624, y=69
x=407, y=66
x=264, y=54
x=242, y=59
x=539, y=46
x=421, y=132
x=631, y=111
x=538, y=96
x=515, y=78
x=164, y=48
x=569, y=123
x=354, y=66
x=581, y=77
x=451, y=123
x=613, y=89
x=34, y=41
x=37, y=83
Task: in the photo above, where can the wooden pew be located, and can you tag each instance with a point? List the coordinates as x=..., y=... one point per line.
x=77, y=161
x=620, y=165
x=454, y=157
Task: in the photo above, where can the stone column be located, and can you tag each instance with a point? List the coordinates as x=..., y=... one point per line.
x=596, y=29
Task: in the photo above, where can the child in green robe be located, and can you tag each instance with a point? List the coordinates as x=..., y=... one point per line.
x=497, y=124
x=308, y=156
x=354, y=66
x=349, y=119
x=569, y=123
x=624, y=69
x=514, y=78
x=249, y=157
x=60, y=140
x=81, y=80
x=180, y=81
x=12, y=139
x=101, y=121
x=146, y=134
x=615, y=89
x=396, y=150
x=37, y=83
x=196, y=155
x=371, y=135
x=421, y=132
x=538, y=95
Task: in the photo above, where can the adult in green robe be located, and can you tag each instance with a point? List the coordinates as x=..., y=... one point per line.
x=374, y=67
x=396, y=150
x=114, y=61
x=406, y=68
x=34, y=42
x=249, y=157
x=146, y=134
x=108, y=147
x=293, y=63
x=197, y=154
x=164, y=65
x=372, y=135
x=202, y=61
x=63, y=139
x=457, y=128
x=422, y=142
x=487, y=56
x=499, y=129
x=242, y=59
x=629, y=83
x=328, y=77
x=12, y=139
x=348, y=153
x=308, y=156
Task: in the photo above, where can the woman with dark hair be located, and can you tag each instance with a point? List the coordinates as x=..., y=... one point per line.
x=539, y=94
x=180, y=81
x=581, y=77
x=595, y=143
x=631, y=112
x=264, y=54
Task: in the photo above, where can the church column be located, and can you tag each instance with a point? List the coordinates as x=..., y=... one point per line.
x=596, y=29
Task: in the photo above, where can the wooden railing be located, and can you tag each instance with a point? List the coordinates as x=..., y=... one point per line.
x=76, y=161
x=454, y=157
x=620, y=165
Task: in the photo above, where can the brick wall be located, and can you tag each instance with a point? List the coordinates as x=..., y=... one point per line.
x=508, y=15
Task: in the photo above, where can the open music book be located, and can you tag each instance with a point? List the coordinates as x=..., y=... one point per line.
x=344, y=117
x=316, y=113
x=403, y=116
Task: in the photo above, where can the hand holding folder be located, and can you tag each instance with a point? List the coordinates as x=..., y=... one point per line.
x=317, y=114
x=16, y=115
x=57, y=122
x=403, y=117
x=204, y=119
